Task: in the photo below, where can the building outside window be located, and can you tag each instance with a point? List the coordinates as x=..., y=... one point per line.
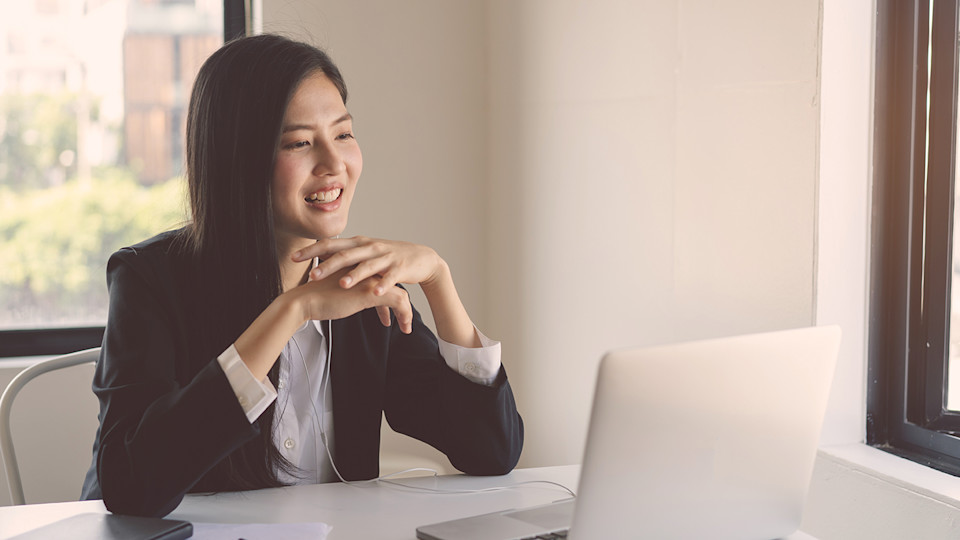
x=93, y=99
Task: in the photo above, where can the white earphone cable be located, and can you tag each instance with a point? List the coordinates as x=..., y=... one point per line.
x=386, y=479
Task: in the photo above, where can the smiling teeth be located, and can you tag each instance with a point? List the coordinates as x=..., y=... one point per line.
x=325, y=196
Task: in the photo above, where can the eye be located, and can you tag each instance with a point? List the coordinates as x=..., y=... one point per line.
x=344, y=136
x=296, y=144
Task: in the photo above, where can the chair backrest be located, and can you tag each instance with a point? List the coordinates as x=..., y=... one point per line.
x=6, y=405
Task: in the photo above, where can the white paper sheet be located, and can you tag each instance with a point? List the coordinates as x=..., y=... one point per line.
x=260, y=531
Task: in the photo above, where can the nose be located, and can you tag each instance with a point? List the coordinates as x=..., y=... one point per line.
x=329, y=161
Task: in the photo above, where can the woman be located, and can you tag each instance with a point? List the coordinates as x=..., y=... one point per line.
x=257, y=348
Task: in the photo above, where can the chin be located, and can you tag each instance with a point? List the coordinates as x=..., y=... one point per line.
x=329, y=232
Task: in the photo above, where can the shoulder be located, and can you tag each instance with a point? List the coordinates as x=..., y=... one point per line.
x=165, y=247
x=160, y=257
x=164, y=244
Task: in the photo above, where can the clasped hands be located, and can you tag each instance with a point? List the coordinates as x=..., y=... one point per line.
x=359, y=273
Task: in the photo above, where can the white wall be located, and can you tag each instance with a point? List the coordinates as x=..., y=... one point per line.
x=621, y=172
x=844, y=205
x=660, y=161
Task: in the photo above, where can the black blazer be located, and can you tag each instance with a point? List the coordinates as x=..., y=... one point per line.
x=168, y=416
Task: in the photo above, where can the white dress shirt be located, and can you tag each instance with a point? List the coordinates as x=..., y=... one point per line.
x=300, y=401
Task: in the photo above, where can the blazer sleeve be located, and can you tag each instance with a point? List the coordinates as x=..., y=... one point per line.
x=476, y=426
x=166, y=418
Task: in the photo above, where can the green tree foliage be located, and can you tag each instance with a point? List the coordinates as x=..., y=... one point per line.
x=35, y=129
x=55, y=241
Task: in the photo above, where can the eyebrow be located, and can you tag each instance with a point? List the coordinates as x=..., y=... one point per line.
x=296, y=127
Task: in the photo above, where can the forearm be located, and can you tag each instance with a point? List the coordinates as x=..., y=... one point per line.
x=452, y=321
x=263, y=341
x=475, y=425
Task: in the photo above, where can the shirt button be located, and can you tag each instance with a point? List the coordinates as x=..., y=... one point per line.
x=471, y=367
x=289, y=443
x=280, y=385
x=242, y=400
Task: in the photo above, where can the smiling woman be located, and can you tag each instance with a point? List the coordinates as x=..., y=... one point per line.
x=317, y=166
x=218, y=370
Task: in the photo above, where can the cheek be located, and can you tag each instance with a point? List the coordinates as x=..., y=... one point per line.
x=283, y=173
x=355, y=163
x=286, y=179
x=282, y=186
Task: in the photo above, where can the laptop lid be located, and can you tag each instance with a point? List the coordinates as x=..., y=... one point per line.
x=708, y=439
x=714, y=438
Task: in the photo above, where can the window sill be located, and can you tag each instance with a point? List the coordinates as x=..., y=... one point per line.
x=861, y=492
x=897, y=471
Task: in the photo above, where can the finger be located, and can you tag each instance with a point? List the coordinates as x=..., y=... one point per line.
x=320, y=248
x=388, y=279
x=364, y=270
x=403, y=310
x=327, y=246
x=350, y=257
x=341, y=260
x=405, y=320
x=384, y=313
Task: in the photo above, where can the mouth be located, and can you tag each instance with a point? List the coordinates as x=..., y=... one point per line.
x=323, y=197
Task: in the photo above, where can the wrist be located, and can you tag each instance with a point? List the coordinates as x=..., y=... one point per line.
x=298, y=306
x=262, y=341
x=440, y=277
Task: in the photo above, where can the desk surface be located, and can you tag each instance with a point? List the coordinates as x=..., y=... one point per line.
x=354, y=511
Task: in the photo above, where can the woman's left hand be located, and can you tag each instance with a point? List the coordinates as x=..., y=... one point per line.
x=394, y=262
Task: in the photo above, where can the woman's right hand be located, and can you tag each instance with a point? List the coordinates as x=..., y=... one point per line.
x=325, y=299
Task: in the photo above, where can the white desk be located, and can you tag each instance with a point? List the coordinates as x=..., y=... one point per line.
x=355, y=512
x=360, y=512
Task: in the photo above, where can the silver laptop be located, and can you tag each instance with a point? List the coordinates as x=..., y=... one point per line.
x=709, y=439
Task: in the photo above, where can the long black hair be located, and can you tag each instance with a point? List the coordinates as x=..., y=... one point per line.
x=233, y=130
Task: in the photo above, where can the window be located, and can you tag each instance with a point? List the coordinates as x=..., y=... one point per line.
x=93, y=97
x=913, y=404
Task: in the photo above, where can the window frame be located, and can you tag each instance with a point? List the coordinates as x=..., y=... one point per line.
x=911, y=237
x=48, y=341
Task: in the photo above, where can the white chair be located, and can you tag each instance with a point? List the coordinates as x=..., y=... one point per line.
x=6, y=404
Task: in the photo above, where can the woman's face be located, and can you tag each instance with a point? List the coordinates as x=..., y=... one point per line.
x=318, y=165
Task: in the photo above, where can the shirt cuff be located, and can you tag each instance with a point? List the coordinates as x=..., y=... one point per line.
x=254, y=396
x=480, y=365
